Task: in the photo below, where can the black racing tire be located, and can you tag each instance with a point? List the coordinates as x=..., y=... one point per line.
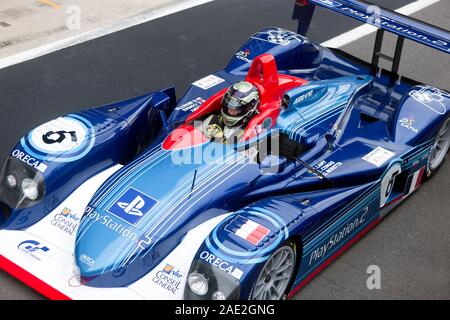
x=275, y=278
x=440, y=149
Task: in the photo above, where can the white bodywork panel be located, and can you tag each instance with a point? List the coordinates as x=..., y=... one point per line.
x=56, y=269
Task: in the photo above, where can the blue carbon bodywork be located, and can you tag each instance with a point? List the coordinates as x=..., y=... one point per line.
x=143, y=211
x=113, y=133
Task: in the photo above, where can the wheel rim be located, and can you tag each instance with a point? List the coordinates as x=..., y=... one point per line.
x=440, y=147
x=275, y=275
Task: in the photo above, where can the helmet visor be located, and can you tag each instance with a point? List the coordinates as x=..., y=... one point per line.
x=233, y=106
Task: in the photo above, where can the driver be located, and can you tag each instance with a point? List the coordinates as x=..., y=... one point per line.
x=239, y=105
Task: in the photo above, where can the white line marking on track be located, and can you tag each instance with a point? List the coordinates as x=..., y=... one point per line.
x=366, y=29
x=93, y=34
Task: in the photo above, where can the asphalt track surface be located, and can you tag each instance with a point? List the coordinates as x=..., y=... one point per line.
x=411, y=246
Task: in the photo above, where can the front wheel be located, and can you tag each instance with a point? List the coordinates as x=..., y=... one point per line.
x=275, y=277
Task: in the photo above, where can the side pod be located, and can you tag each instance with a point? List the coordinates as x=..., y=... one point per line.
x=51, y=161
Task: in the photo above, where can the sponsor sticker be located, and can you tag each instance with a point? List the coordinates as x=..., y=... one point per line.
x=327, y=167
x=109, y=223
x=248, y=230
x=402, y=28
x=431, y=98
x=243, y=55
x=303, y=97
x=191, y=105
x=221, y=264
x=66, y=221
x=414, y=181
x=279, y=36
x=408, y=123
x=208, y=82
x=33, y=249
x=267, y=123
x=132, y=206
x=378, y=156
x=85, y=259
x=338, y=237
x=32, y=162
x=169, y=278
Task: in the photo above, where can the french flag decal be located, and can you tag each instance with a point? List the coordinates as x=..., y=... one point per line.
x=248, y=230
x=414, y=181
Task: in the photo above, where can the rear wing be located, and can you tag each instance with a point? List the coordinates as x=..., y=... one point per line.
x=385, y=20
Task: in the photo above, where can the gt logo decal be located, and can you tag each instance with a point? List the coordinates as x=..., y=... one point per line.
x=34, y=249
x=32, y=246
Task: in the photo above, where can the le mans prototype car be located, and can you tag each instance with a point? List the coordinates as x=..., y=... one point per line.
x=133, y=200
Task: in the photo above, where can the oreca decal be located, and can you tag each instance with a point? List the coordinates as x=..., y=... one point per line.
x=64, y=139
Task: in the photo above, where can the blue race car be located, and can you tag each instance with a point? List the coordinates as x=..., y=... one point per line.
x=245, y=188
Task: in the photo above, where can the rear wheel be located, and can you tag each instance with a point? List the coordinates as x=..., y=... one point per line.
x=276, y=275
x=440, y=147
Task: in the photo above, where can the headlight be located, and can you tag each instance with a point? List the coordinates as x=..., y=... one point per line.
x=30, y=189
x=206, y=282
x=218, y=295
x=198, y=284
x=21, y=186
x=11, y=180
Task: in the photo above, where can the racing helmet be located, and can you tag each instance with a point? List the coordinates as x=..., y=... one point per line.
x=239, y=103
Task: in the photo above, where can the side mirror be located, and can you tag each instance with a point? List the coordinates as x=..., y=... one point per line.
x=162, y=103
x=272, y=164
x=330, y=140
